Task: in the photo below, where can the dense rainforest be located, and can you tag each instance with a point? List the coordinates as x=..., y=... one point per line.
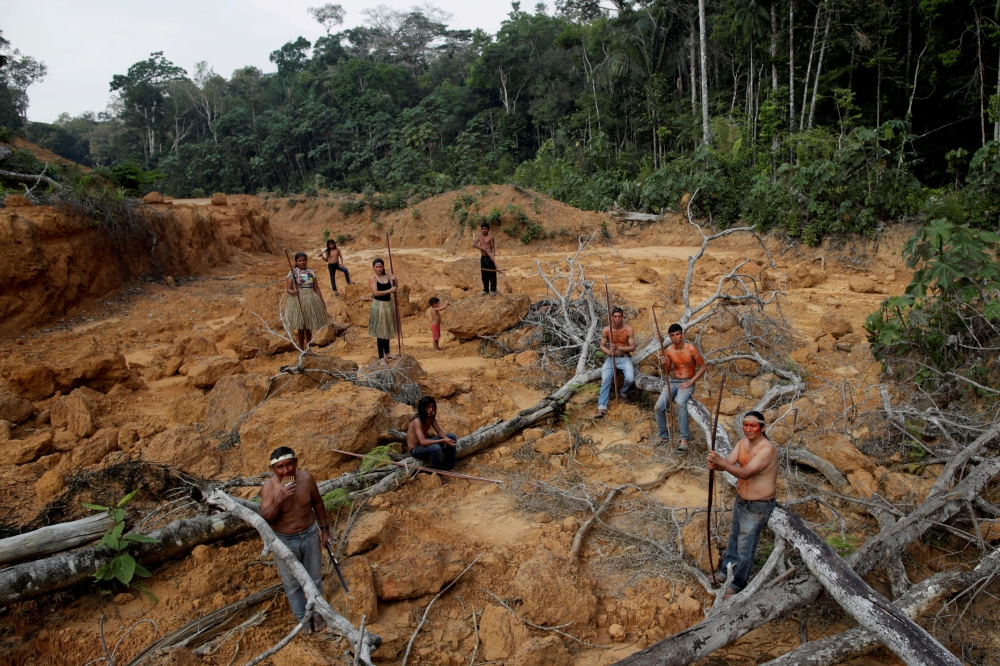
x=815, y=117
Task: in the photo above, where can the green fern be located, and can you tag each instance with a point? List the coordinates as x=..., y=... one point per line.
x=377, y=457
x=337, y=499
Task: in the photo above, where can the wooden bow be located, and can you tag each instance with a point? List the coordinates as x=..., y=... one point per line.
x=711, y=473
x=659, y=339
x=395, y=301
x=611, y=339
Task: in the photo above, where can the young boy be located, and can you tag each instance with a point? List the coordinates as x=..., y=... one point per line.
x=436, y=319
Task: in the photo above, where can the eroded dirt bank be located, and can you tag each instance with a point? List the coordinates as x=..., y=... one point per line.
x=167, y=374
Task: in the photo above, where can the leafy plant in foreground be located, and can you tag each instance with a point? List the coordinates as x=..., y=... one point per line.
x=123, y=566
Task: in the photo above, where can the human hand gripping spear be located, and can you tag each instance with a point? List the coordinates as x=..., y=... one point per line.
x=395, y=301
x=611, y=339
x=659, y=340
x=711, y=474
x=291, y=268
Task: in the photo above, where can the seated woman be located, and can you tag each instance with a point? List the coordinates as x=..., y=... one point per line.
x=438, y=451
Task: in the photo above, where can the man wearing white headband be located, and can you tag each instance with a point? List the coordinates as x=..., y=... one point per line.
x=754, y=463
x=292, y=505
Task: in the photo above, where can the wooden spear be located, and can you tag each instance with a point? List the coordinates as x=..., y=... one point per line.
x=711, y=473
x=611, y=340
x=659, y=340
x=428, y=470
x=395, y=301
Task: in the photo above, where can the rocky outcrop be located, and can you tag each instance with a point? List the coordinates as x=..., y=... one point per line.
x=418, y=573
x=13, y=408
x=553, y=592
x=485, y=315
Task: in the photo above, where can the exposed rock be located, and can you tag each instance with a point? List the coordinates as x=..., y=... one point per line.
x=548, y=650
x=204, y=372
x=200, y=346
x=23, y=451
x=5, y=427
x=864, y=483
x=465, y=273
x=393, y=641
x=906, y=486
x=553, y=591
x=526, y=359
x=119, y=391
x=189, y=408
x=32, y=382
x=362, y=601
x=554, y=444
x=437, y=386
x=14, y=408
x=839, y=451
x=350, y=416
x=50, y=484
x=694, y=535
x=730, y=406
x=220, y=199
x=417, y=573
x=328, y=334
x=183, y=447
x=617, y=633
x=17, y=201
x=804, y=277
x=501, y=633
x=862, y=285
x=646, y=275
x=231, y=399
x=485, y=315
x=322, y=370
x=75, y=412
x=170, y=281
x=760, y=385
x=687, y=604
x=153, y=198
x=172, y=365
x=832, y=323
x=94, y=449
x=369, y=531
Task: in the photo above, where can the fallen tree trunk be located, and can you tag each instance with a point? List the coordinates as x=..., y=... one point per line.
x=918, y=599
x=30, y=580
x=54, y=538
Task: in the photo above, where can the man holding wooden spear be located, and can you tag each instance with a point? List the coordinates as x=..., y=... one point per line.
x=618, y=343
x=688, y=366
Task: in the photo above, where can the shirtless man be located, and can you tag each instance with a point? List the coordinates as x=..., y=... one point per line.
x=688, y=366
x=488, y=261
x=754, y=462
x=291, y=505
x=334, y=257
x=618, y=343
x=438, y=451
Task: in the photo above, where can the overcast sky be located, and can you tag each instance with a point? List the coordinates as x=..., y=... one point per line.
x=85, y=43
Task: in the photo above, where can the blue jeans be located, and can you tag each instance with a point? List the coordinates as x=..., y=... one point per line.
x=680, y=399
x=305, y=548
x=749, y=519
x=623, y=363
x=437, y=456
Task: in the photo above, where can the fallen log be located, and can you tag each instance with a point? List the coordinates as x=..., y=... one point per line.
x=54, y=538
x=825, y=467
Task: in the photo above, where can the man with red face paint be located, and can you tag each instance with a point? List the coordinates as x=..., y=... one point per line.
x=754, y=463
x=291, y=505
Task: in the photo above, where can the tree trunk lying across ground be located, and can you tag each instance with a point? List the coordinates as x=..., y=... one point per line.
x=54, y=538
x=731, y=623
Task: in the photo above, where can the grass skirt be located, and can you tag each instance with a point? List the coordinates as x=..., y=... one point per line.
x=382, y=320
x=315, y=316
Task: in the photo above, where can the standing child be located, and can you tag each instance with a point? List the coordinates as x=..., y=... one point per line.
x=436, y=319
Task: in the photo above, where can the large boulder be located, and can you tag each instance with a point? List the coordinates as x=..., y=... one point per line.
x=205, y=371
x=320, y=370
x=841, y=453
x=23, y=451
x=485, y=315
x=314, y=422
x=833, y=323
x=804, y=277
x=77, y=412
x=14, y=408
x=220, y=199
x=553, y=591
x=646, y=275
x=501, y=633
x=361, y=581
x=232, y=398
x=465, y=273
x=369, y=531
x=417, y=573
x=184, y=447
x=860, y=284
x=153, y=198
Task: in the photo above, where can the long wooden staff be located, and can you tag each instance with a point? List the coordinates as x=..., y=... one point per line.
x=611, y=339
x=395, y=301
x=302, y=313
x=659, y=339
x=711, y=472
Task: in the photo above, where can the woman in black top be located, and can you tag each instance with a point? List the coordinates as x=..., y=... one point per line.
x=382, y=317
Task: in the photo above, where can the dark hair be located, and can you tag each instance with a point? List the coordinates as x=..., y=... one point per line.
x=281, y=451
x=300, y=254
x=617, y=310
x=422, y=406
x=759, y=416
x=484, y=223
x=330, y=240
x=378, y=260
x=674, y=328
x=435, y=300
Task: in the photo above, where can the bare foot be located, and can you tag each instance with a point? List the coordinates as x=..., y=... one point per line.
x=438, y=350
x=318, y=623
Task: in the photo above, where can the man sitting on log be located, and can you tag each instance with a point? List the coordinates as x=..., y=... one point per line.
x=688, y=366
x=438, y=451
x=291, y=504
x=618, y=343
x=754, y=463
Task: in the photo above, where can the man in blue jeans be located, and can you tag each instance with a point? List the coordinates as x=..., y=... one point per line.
x=754, y=463
x=438, y=451
x=292, y=506
x=688, y=366
x=618, y=343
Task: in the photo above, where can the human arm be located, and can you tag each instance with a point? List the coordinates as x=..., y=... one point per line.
x=440, y=432
x=415, y=433
x=756, y=464
x=701, y=369
x=271, y=497
x=323, y=255
x=290, y=286
x=373, y=286
x=630, y=346
x=606, y=345
x=318, y=507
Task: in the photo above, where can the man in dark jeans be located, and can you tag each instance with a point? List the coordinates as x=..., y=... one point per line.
x=438, y=451
x=754, y=463
x=487, y=262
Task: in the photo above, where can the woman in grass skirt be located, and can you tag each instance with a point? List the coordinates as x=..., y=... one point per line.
x=305, y=309
x=382, y=317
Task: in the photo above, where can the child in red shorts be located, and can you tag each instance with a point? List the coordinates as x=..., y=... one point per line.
x=436, y=309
